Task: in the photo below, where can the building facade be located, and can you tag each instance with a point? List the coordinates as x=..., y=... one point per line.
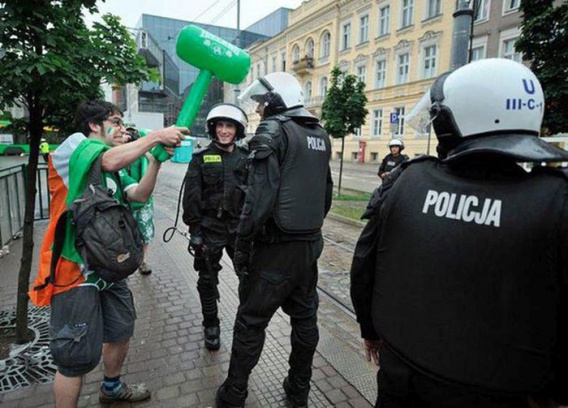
x=396, y=47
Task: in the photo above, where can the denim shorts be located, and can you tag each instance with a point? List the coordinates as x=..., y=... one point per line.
x=82, y=319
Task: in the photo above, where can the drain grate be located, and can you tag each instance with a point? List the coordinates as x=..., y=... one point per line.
x=31, y=363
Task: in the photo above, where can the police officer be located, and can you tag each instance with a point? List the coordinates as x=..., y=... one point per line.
x=279, y=238
x=459, y=278
x=393, y=159
x=44, y=149
x=212, y=200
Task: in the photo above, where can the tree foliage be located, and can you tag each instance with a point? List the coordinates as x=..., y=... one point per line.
x=344, y=108
x=50, y=62
x=544, y=42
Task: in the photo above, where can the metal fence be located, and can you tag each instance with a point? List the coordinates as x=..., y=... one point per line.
x=13, y=200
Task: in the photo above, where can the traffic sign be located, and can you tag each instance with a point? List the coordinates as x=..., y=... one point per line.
x=394, y=117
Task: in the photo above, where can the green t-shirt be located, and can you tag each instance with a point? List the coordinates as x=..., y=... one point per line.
x=79, y=164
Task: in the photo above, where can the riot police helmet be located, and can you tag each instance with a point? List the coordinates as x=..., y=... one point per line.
x=276, y=93
x=229, y=112
x=490, y=106
x=396, y=143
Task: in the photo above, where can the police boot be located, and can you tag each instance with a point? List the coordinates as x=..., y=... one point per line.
x=297, y=392
x=230, y=397
x=212, y=339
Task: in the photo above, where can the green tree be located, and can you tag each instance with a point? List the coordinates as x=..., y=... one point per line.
x=50, y=62
x=544, y=42
x=344, y=109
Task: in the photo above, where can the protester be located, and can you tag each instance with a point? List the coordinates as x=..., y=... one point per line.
x=89, y=316
x=143, y=212
x=212, y=200
x=459, y=278
x=279, y=237
x=393, y=159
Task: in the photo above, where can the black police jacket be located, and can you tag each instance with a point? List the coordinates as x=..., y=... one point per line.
x=390, y=162
x=462, y=270
x=214, y=185
x=290, y=187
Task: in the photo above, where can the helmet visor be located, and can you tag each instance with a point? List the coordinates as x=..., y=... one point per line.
x=252, y=96
x=419, y=117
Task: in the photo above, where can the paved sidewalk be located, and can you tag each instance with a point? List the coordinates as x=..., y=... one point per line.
x=167, y=351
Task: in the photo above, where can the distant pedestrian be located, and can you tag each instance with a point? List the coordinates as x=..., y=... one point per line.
x=279, y=237
x=44, y=149
x=393, y=159
x=460, y=278
x=212, y=200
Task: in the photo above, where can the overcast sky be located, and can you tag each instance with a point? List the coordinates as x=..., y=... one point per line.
x=216, y=12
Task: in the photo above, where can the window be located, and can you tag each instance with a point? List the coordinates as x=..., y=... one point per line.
x=507, y=40
x=478, y=53
x=384, y=20
x=377, y=122
x=374, y=156
x=511, y=5
x=479, y=48
x=407, y=13
x=273, y=64
x=308, y=90
x=257, y=70
x=433, y=8
x=358, y=132
x=381, y=73
x=362, y=73
x=508, y=50
x=295, y=53
x=325, y=44
x=429, y=64
x=346, y=36
x=363, y=28
x=399, y=131
x=310, y=48
x=481, y=11
x=283, y=61
x=323, y=87
x=354, y=155
x=403, y=68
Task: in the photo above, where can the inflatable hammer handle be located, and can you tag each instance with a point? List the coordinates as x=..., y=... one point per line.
x=192, y=103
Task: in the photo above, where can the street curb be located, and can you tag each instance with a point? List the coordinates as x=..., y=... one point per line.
x=346, y=220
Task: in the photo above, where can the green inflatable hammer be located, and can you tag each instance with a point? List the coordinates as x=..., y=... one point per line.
x=213, y=56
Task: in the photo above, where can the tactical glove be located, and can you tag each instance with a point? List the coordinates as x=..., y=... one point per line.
x=241, y=259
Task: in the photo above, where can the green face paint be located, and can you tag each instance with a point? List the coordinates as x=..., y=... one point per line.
x=110, y=130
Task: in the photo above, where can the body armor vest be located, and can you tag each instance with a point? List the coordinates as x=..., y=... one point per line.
x=468, y=275
x=300, y=206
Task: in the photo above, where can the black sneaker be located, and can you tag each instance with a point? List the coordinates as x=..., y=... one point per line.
x=297, y=395
x=230, y=397
x=212, y=339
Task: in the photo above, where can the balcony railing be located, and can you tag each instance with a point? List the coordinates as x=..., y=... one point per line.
x=303, y=66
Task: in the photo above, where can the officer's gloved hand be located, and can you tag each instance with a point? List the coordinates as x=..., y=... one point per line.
x=241, y=259
x=195, y=241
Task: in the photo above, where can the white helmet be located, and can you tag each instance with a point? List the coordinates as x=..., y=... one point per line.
x=397, y=142
x=278, y=92
x=226, y=111
x=492, y=105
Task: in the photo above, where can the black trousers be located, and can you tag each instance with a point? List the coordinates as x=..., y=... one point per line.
x=401, y=386
x=282, y=275
x=217, y=235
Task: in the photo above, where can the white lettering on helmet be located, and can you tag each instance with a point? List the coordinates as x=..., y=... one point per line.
x=466, y=208
x=315, y=143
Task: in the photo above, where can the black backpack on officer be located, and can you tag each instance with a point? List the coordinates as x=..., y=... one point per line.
x=106, y=233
